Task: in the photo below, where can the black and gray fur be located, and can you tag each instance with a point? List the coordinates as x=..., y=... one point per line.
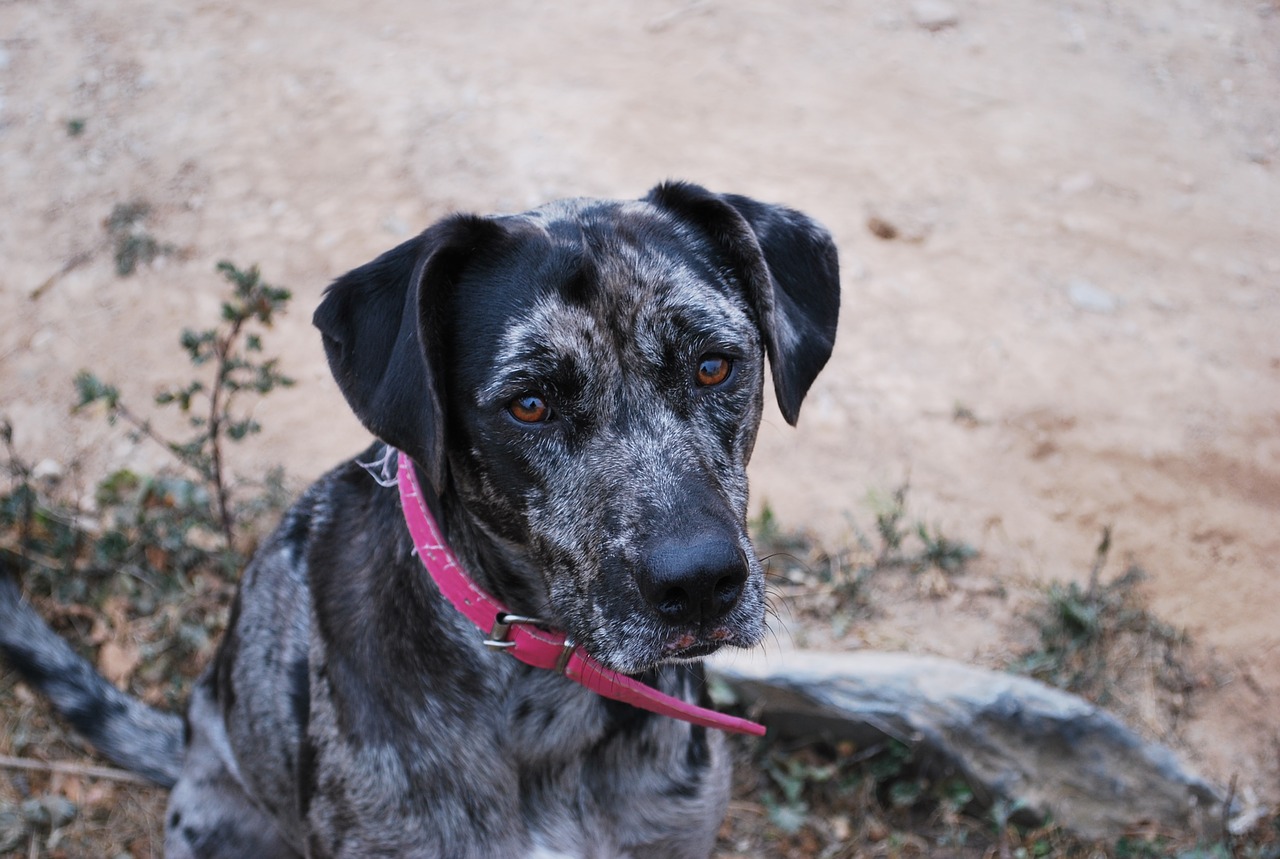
x=350, y=710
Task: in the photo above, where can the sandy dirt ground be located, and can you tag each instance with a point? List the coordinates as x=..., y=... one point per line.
x=1086, y=266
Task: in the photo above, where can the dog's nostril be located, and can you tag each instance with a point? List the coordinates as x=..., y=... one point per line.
x=674, y=603
x=727, y=591
x=694, y=582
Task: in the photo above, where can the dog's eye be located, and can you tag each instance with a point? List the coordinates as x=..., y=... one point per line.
x=713, y=370
x=529, y=409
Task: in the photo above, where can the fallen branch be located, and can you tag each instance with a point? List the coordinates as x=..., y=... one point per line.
x=69, y=768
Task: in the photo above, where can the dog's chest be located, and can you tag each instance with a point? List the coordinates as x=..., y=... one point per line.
x=526, y=765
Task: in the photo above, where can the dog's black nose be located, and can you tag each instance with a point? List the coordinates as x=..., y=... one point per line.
x=693, y=582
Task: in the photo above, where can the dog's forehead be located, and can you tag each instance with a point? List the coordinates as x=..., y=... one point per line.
x=618, y=273
x=577, y=213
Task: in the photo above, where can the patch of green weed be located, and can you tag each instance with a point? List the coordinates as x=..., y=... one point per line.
x=1091, y=635
x=132, y=245
x=799, y=565
x=228, y=357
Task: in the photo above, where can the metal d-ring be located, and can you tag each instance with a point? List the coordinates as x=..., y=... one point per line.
x=502, y=624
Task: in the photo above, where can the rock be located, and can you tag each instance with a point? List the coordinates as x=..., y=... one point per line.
x=396, y=225
x=59, y=810
x=934, y=15
x=1077, y=183
x=1086, y=295
x=881, y=228
x=35, y=812
x=13, y=829
x=907, y=223
x=1013, y=738
x=47, y=469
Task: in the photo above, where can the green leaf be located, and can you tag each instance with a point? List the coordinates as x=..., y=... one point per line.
x=90, y=389
x=904, y=794
x=238, y=430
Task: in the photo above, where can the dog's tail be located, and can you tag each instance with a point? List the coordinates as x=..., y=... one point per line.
x=126, y=731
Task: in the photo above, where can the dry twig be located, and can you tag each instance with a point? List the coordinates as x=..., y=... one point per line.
x=71, y=769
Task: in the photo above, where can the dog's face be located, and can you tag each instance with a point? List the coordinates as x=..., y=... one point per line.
x=603, y=423
x=587, y=380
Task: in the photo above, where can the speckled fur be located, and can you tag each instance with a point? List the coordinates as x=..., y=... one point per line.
x=350, y=710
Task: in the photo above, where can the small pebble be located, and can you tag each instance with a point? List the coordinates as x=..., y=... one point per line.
x=934, y=15
x=1086, y=295
x=1077, y=183
x=880, y=228
x=47, y=469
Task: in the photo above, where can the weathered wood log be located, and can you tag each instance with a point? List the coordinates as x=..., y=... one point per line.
x=1013, y=738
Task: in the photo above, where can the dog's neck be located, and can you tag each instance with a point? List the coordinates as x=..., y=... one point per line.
x=497, y=565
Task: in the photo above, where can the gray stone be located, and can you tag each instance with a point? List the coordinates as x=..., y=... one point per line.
x=1013, y=738
x=934, y=15
x=47, y=469
x=1078, y=183
x=1086, y=295
x=13, y=829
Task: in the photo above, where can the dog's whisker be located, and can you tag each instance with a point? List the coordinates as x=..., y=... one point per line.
x=773, y=633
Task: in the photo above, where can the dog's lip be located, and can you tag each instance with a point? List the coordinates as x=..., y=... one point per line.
x=687, y=645
x=696, y=651
x=690, y=646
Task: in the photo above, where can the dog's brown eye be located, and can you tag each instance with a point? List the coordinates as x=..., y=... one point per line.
x=529, y=409
x=713, y=369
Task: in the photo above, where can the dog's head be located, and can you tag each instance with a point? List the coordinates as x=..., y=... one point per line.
x=586, y=379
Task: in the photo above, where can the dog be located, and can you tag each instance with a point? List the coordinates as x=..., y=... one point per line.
x=577, y=391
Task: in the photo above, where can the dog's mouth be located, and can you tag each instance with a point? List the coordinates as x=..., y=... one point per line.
x=630, y=625
x=652, y=648
x=689, y=646
x=644, y=646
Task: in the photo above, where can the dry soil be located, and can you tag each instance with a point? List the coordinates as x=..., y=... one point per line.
x=1073, y=323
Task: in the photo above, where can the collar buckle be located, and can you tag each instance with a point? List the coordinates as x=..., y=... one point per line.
x=502, y=624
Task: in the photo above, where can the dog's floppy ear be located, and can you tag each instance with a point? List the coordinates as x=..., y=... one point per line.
x=787, y=264
x=381, y=324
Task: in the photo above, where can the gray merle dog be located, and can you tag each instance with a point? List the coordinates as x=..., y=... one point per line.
x=579, y=389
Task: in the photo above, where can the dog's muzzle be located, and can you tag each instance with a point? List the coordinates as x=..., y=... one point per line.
x=523, y=637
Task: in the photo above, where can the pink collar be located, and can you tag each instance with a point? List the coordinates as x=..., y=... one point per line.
x=523, y=637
